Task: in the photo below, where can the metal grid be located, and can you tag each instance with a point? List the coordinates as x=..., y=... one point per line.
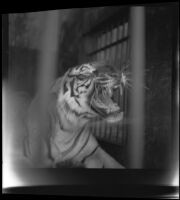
x=112, y=45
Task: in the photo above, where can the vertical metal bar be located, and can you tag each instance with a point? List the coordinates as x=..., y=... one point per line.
x=120, y=34
x=116, y=62
x=122, y=47
x=120, y=50
x=109, y=55
x=108, y=37
x=125, y=51
x=125, y=29
x=113, y=54
x=98, y=42
x=124, y=100
x=120, y=126
x=119, y=47
x=125, y=133
x=136, y=137
x=103, y=39
x=47, y=69
x=49, y=47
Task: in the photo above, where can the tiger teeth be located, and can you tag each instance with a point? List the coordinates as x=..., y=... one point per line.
x=115, y=118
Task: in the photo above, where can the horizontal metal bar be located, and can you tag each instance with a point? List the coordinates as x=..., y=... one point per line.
x=108, y=46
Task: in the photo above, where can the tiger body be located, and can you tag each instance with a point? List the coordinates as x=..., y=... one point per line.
x=63, y=134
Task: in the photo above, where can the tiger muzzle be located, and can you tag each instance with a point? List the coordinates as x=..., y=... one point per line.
x=105, y=98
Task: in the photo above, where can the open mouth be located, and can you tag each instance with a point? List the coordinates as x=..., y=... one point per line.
x=105, y=102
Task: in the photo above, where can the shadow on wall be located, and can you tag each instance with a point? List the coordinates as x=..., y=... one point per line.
x=72, y=41
x=159, y=20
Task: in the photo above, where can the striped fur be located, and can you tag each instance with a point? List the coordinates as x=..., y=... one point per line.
x=61, y=134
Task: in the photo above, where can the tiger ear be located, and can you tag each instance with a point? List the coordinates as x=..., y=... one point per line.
x=69, y=72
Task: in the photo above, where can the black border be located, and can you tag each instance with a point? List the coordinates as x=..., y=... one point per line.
x=95, y=183
x=78, y=182
x=99, y=191
x=81, y=4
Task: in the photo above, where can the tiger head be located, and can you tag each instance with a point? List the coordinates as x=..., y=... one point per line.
x=87, y=92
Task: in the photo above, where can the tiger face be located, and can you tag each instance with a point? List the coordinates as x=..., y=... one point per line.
x=87, y=93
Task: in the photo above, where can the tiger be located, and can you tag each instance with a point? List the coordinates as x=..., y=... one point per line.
x=83, y=94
